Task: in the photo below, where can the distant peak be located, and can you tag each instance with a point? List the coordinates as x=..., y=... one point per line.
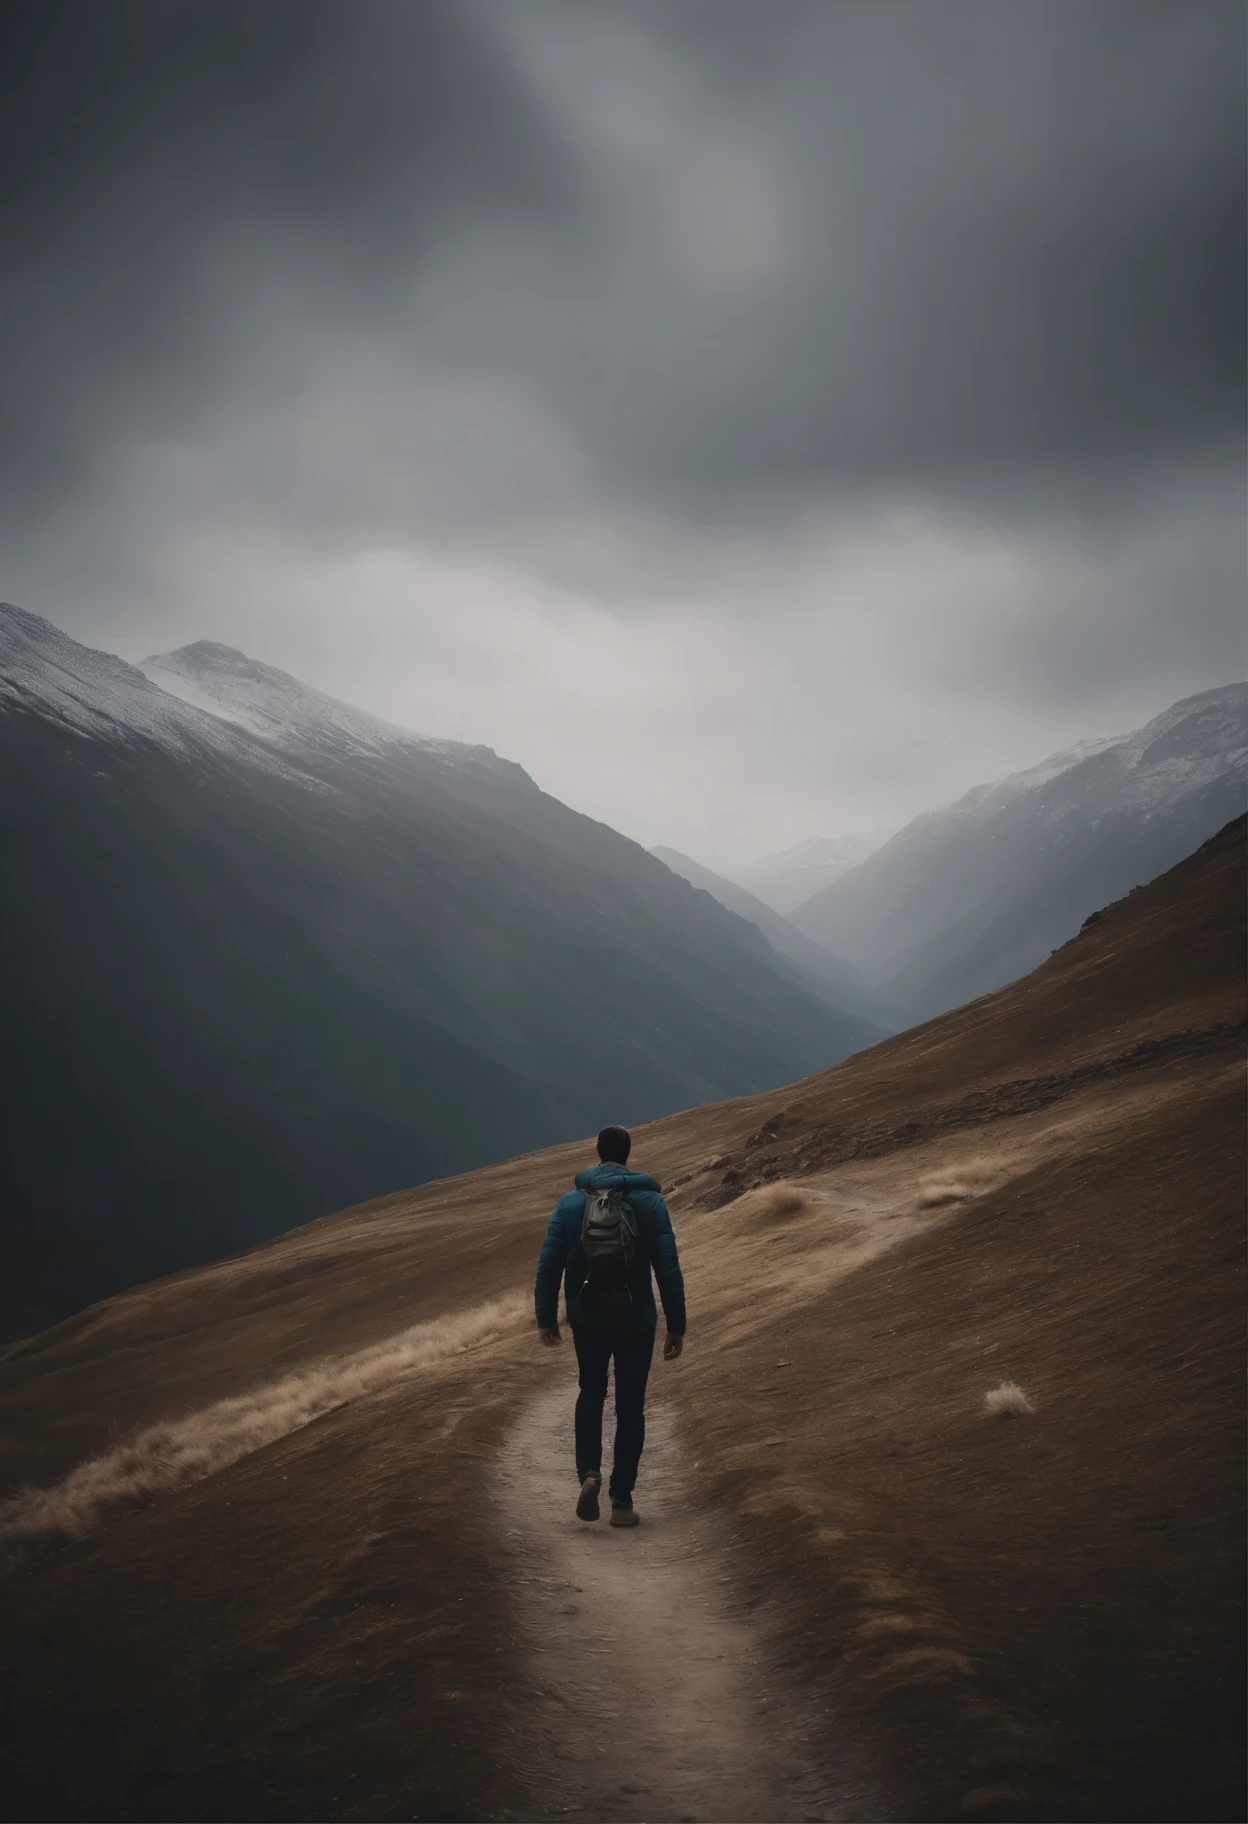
x=205, y=658
x=36, y=623
x=211, y=652
x=281, y=709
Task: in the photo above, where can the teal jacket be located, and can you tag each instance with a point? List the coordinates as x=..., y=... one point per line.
x=562, y=1255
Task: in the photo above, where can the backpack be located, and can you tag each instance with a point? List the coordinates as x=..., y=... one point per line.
x=609, y=1243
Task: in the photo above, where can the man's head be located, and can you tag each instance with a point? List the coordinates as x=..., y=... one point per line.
x=615, y=1144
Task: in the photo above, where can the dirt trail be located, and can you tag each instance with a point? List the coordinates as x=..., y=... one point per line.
x=647, y=1692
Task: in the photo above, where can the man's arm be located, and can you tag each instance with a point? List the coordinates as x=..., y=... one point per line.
x=671, y=1281
x=550, y=1264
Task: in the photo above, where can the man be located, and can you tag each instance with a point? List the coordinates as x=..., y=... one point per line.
x=606, y=1263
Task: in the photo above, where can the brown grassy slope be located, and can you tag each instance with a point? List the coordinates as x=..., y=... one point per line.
x=313, y=1633
x=1165, y=960
x=1044, y=1614
x=1033, y=1616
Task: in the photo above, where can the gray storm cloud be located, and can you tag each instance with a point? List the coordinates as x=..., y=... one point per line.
x=648, y=304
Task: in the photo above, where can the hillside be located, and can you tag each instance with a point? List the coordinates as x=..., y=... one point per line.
x=966, y=899
x=937, y=1612
x=268, y=955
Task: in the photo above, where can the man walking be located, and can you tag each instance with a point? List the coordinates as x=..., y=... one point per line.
x=603, y=1238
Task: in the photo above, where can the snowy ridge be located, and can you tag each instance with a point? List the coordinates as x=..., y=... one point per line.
x=1189, y=745
x=1196, y=741
x=95, y=693
x=966, y=898
x=1000, y=791
x=208, y=696
x=1193, y=743
x=984, y=801
x=277, y=707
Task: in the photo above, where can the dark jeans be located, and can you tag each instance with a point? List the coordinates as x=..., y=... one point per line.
x=632, y=1349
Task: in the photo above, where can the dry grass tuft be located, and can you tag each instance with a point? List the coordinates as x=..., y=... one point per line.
x=781, y=1201
x=1008, y=1401
x=935, y=1191
x=178, y=1452
x=969, y=1178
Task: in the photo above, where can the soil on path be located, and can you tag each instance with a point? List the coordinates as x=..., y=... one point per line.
x=650, y=1691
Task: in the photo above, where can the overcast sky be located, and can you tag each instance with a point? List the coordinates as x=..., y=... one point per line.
x=761, y=420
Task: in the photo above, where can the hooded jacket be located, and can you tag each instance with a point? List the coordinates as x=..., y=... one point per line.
x=562, y=1254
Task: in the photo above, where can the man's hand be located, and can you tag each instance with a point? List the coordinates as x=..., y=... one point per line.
x=672, y=1346
x=550, y=1337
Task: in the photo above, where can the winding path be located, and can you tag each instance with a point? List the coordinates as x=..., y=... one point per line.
x=647, y=1693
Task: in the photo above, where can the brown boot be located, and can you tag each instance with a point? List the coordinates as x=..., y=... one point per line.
x=625, y=1516
x=587, y=1500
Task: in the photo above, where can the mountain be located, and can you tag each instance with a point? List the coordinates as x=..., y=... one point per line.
x=970, y=897
x=788, y=879
x=291, y=1535
x=285, y=713
x=827, y=974
x=266, y=954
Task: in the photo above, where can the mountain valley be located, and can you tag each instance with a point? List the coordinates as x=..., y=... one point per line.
x=272, y=955
x=950, y=1470
x=829, y=975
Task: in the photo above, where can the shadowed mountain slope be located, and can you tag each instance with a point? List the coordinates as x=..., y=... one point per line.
x=266, y=954
x=967, y=898
x=1027, y=1617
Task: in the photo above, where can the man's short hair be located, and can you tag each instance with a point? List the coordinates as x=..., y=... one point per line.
x=615, y=1144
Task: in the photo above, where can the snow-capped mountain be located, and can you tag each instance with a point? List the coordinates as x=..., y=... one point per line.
x=789, y=878
x=967, y=898
x=281, y=710
x=95, y=694
x=266, y=956
x=203, y=697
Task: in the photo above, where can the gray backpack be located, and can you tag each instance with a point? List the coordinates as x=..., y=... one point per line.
x=609, y=1242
